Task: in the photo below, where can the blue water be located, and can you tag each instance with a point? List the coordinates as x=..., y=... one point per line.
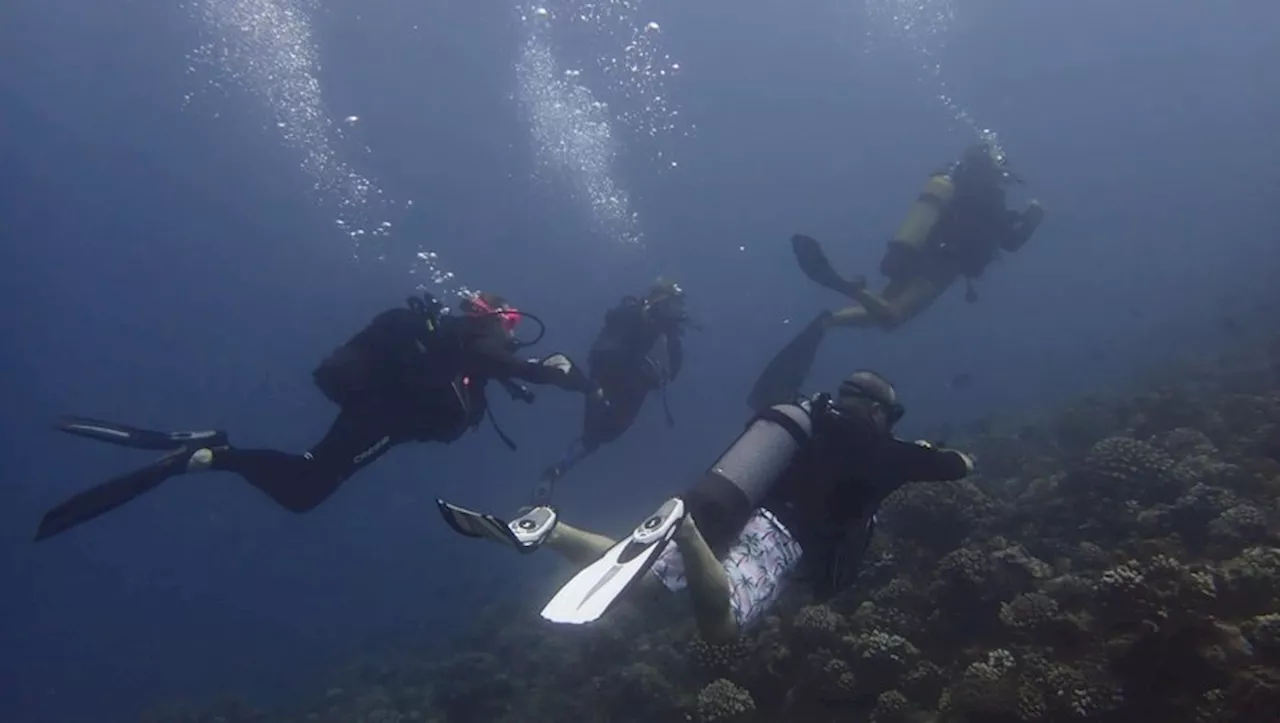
x=167, y=263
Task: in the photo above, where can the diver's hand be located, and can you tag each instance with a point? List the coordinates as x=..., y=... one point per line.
x=969, y=461
x=597, y=393
x=558, y=361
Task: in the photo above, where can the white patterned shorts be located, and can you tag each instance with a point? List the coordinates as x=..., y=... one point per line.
x=757, y=566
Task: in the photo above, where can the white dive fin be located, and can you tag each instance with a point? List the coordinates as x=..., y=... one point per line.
x=591, y=592
x=525, y=533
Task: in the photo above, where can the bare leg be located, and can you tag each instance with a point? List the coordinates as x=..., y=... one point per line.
x=852, y=316
x=578, y=546
x=874, y=309
x=913, y=297
x=708, y=585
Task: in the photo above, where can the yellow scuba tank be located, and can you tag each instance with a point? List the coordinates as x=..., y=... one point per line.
x=917, y=227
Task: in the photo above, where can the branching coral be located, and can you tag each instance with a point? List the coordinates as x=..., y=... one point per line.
x=1263, y=632
x=891, y=707
x=1151, y=594
x=1030, y=613
x=1239, y=525
x=828, y=678
x=716, y=660
x=723, y=702
x=818, y=625
x=1253, y=580
x=1121, y=469
x=936, y=516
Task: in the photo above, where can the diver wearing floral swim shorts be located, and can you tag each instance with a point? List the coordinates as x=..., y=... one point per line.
x=793, y=498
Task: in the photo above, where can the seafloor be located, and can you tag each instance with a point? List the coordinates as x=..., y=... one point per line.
x=1117, y=560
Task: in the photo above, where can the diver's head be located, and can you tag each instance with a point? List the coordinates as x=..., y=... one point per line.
x=487, y=303
x=984, y=162
x=665, y=298
x=869, y=396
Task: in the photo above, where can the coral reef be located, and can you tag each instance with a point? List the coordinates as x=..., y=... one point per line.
x=1119, y=561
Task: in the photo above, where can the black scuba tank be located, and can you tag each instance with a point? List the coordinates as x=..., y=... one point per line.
x=378, y=356
x=723, y=500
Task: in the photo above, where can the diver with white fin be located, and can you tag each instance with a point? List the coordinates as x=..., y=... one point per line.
x=414, y=373
x=639, y=350
x=794, y=496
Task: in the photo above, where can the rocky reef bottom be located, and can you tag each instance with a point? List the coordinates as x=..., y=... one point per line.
x=1118, y=560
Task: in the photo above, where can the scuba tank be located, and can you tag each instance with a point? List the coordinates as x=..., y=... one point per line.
x=917, y=227
x=737, y=483
x=368, y=359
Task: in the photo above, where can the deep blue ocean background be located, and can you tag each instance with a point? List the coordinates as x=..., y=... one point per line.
x=166, y=264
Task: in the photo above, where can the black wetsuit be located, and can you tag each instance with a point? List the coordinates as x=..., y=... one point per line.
x=831, y=493
x=828, y=495
x=627, y=361
x=398, y=382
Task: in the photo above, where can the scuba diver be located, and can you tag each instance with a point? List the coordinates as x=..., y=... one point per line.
x=415, y=373
x=955, y=228
x=794, y=497
x=638, y=350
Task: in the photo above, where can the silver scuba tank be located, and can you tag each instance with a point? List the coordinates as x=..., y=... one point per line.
x=724, y=498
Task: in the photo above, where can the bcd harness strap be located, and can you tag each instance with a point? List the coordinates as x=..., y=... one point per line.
x=432, y=310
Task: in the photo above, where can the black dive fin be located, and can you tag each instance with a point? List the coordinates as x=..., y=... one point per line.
x=126, y=436
x=523, y=534
x=813, y=262
x=99, y=500
x=781, y=380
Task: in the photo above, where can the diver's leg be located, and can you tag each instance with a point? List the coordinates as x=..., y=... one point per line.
x=785, y=373
x=874, y=310
x=708, y=586
x=855, y=316
x=916, y=295
x=299, y=483
x=578, y=546
x=876, y=305
x=903, y=300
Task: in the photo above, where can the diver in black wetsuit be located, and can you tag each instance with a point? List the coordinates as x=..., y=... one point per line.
x=639, y=350
x=413, y=374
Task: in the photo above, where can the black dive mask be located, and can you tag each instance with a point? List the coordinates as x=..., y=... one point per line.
x=854, y=418
x=868, y=395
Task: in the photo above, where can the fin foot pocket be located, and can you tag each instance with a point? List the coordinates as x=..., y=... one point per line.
x=524, y=534
x=532, y=528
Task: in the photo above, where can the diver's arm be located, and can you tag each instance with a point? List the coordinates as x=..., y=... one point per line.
x=1022, y=226
x=875, y=304
x=489, y=357
x=921, y=461
x=675, y=351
